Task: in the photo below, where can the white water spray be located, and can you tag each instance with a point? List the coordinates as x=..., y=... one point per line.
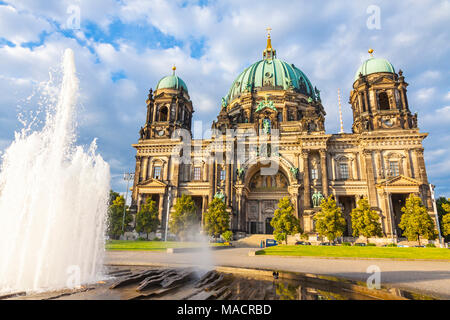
x=53, y=202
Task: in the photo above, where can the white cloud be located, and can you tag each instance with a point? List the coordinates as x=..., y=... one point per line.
x=20, y=27
x=327, y=41
x=447, y=96
x=425, y=93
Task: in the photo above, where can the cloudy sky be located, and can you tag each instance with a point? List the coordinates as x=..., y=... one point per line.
x=123, y=47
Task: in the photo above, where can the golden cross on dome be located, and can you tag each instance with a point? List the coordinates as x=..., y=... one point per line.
x=269, y=29
x=174, y=68
x=371, y=52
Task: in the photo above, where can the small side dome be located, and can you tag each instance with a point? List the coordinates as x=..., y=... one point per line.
x=171, y=82
x=374, y=65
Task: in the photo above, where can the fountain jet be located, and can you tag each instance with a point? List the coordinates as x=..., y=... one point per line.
x=53, y=202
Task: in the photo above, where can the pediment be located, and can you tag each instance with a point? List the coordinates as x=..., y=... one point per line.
x=383, y=80
x=266, y=109
x=153, y=183
x=400, y=181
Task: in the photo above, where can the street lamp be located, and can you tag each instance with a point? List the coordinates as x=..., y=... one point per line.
x=168, y=212
x=127, y=177
x=394, y=230
x=436, y=214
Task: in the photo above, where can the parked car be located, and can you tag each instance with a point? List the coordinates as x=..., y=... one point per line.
x=360, y=244
x=271, y=243
x=402, y=246
x=302, y=243
x=327, y=244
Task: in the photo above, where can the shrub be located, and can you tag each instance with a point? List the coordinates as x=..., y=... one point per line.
x=141, y=239
x=371, y=245
x=227, y=235
x=156, y=239
x=392, y=245
x=346, y=244
x=430, y=245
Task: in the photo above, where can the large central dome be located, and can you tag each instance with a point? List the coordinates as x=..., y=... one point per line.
x=274, y=73
x=271, y=74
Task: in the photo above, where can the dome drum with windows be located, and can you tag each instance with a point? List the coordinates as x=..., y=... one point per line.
x=271, y=73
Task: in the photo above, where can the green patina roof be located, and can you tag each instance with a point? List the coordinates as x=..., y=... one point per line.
x=374, y=65
x=276, y=73
x=171, y=82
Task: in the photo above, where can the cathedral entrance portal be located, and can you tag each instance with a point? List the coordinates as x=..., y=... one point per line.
x=265, y=193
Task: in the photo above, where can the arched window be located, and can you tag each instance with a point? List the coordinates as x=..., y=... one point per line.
x=383, y=101
x=163, y=114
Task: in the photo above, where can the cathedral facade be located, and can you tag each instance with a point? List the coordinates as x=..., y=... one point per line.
x=269, y=142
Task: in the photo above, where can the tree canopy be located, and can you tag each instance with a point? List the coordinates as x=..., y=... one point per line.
x=443, y=208
x=415, y=221
x=116, y=227
x=284, y=222
x=365, y=221
x=330, y=221
x=445, y=218
x=184, y=220
x=216, y=219
x=147, y=220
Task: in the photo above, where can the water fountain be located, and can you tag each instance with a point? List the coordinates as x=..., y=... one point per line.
x=53, y=202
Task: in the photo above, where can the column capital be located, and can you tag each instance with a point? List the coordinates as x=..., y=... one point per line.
x=323, y=152
x=305, y=153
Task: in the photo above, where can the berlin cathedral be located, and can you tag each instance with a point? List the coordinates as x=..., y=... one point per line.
x=381, y=160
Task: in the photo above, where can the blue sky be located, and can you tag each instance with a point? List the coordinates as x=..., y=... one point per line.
x=124, y=47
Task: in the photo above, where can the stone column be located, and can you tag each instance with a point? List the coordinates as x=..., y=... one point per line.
x=161, y=207
x=333, y=168
x=137, y=176
x=144, y=169
x=366, y=99
x=415, y=164
x=355, y=167
x=306, y=182
x=424, y=179
x=323, y=165
x=204, y=171
x=228, y=183
x=204, y=207
x=211, y=177
x=402, y=91
x=370, y=177
x=408, y=164
x=380, y=165
x=392, y=91
x=155, y=109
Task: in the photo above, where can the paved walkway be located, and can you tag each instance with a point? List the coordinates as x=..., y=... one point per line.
x=429, y=277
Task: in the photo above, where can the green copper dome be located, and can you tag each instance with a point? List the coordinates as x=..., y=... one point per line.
x=171, y=82
x=273, y=73
x=374, y=65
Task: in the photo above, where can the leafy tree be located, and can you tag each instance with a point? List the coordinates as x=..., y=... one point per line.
x=416, y=221
x=112, y=196
x=227, y=235
x=443, y=209
x=444, y=204
x=116, y=226
x=147, y=218
x=216, y=219
x=284, y=222
x=365, y=221
x=330, y=221
x=184, y=219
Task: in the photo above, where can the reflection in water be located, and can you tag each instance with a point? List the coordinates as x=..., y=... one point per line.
x=184, y=284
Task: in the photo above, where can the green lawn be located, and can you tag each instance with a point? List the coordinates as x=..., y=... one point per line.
x=358, y=252
x=150, y=245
